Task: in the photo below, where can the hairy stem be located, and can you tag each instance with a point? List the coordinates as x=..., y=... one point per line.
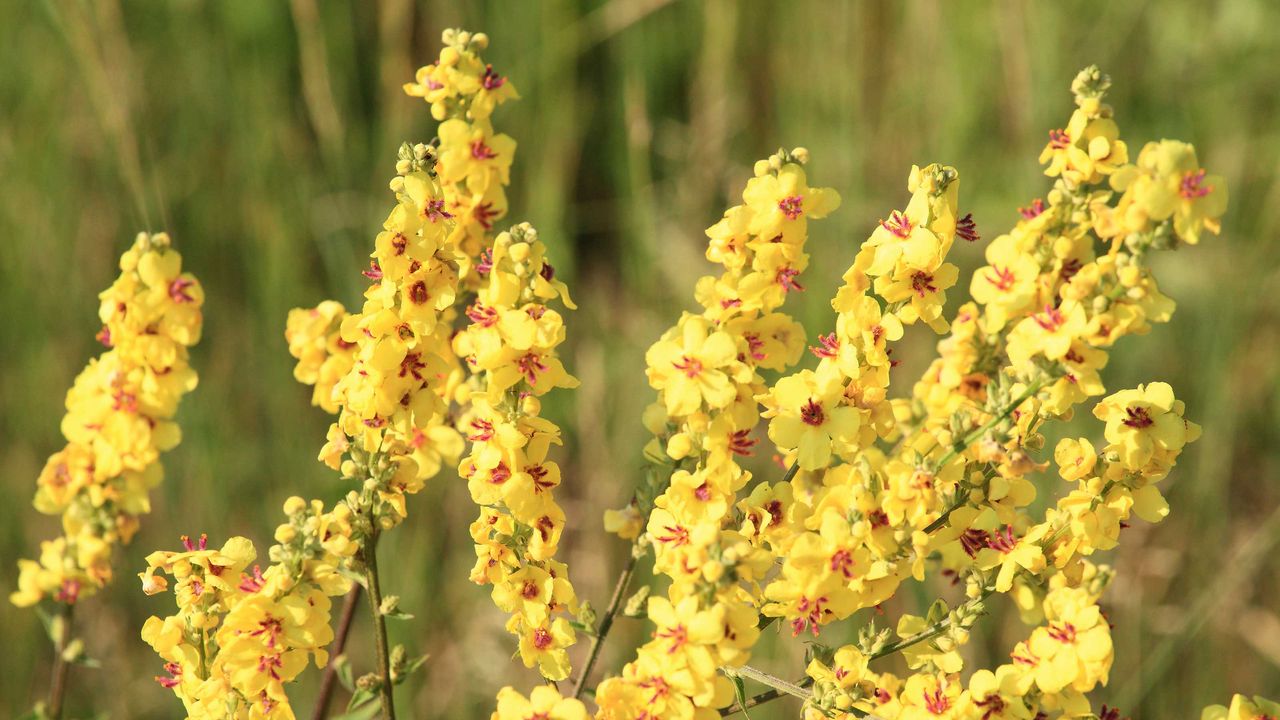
x=930, y=632
x=967, y=441
x=58, y=677
x=335, y=651
x=777, y=683
x=606, y=623
x=385, y=689
x=782, y=687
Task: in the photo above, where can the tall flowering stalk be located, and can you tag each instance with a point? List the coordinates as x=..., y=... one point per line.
x=404, y=379
x=119, y=419
x=510, y=345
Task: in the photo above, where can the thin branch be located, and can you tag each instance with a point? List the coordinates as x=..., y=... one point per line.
x=335, y=651
x=58, y=679
x=606, y=623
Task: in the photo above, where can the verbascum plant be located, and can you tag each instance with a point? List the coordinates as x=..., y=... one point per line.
x=120, y=417
x=457, y=343
x=879, y=491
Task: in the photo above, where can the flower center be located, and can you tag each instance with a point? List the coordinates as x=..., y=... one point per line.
x=1137, y=418
x=178, y=289
x=691, y=367
x=1001, y=278
x=792, y=206
x=812, y=413
x=541, y=639
x=480, y=151
x=1051, y=320
x=1192, y=186
x=898, y=224
x=922, y=283
x=1064, y=633
x=1032, y=212
x=935, y=702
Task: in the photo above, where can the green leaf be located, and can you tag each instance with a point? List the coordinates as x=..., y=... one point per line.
x=360, y=698
x=740, y=692
x=342, y=666
x=367, y=709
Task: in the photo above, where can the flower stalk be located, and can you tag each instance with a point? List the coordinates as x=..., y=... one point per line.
x=386, y=695
x=327, y=683
x=61, y=665
x=606, y=622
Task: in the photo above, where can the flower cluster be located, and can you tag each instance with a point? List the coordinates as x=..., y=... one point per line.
x=880, y=490
x=510, y=347
x=119, y=419
x=239, y=635
x=315, y=339
x=707, y=372
x=475, y=160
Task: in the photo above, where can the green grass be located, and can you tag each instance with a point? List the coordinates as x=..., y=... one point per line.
x=262, y=137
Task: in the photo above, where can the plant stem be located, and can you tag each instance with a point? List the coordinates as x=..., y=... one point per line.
x=782, y=687
x=606, y=623
x=928, y=633
x=385, y=689
x=777, y=683
x=335, y=651
x=967, y=441
x=58, y=678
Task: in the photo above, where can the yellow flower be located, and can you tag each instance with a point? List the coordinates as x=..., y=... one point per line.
x=1166, y=182
x=996, y=695
x=1075, y=458
x=1243, y=709
x=473, y=153
x=808, y=415
x=931, y=697
x=1007, y=285
x=781, y=204
x=1074, y=648
x=1145, y=423
x=543, y=642
x=695, y=365
x=544, y=703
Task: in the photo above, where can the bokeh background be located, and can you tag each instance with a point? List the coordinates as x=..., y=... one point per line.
x=262, y=136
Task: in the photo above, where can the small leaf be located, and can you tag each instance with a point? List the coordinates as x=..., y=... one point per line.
x=740, y=692
x=342, y=666
x=360, y=697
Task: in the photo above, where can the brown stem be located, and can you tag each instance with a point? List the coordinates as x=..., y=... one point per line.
x=619, y=591
x=58, y=680
x=335, y=650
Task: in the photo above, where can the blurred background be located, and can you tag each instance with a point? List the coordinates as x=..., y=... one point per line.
x=262, y=135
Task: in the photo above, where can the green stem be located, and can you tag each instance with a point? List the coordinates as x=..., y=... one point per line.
x=782, y=687
x=385, y=689
x=58, y=679
x=606, y=623
x=928, y=633
x=967, y=441
x=777, y=683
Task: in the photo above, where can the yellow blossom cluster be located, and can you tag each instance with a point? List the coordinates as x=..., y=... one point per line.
x=880, y=490
x=240, y=635
x=475, y=160
x=414, y=373
x=510, y=347
x=119, y=419
x=707, y=372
